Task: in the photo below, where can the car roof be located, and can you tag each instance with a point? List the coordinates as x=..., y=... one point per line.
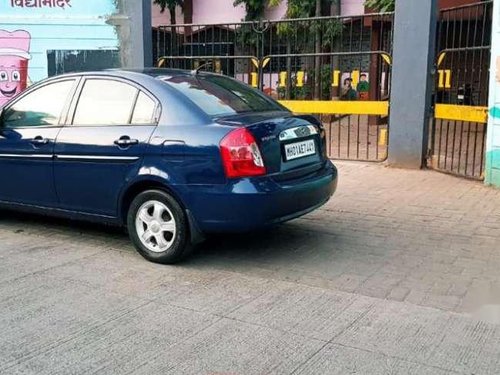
x=148, y=78
x=137, y=73
x=155, y=72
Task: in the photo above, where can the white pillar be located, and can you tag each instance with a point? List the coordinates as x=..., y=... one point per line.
x=493, y=133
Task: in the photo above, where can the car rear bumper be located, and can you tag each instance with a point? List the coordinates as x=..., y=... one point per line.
x=254, y=203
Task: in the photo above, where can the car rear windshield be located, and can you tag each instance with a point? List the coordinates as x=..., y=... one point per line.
x=220, y=96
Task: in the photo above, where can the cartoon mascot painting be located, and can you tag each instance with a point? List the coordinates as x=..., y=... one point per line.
x=14, y=57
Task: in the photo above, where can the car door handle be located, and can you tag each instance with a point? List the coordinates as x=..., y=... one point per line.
x=39, y=141
x=125, y=141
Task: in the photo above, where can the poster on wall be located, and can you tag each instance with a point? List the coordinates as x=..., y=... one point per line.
x=14, y=58
x=40, y=38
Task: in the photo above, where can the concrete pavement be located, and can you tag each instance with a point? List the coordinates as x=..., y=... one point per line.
x=398, y=274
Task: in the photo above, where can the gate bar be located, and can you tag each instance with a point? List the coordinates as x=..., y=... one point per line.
x=461, y=113
x=329, y=107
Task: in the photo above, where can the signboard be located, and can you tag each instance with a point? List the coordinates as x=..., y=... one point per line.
x=30, y=29
x=40, y=3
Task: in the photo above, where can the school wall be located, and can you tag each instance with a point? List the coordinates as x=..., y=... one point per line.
x=493, y=141
x=73, y=35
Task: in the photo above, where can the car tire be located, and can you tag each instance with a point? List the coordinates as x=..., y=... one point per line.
x=158, y=227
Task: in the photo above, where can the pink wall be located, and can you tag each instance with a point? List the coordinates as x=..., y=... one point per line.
x=352, y=7
x=215, y=11
x=204, y=11
x=223, y=11
x=276, y=13
x=159, y=18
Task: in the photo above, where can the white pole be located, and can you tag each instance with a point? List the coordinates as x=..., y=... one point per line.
x=493, y=132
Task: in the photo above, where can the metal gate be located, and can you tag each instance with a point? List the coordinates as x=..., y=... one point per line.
x=458, y=130
x=338, y=68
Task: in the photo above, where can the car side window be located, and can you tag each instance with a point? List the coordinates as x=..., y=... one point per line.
x=41, y=107
x=105, y=102
x=144, y=110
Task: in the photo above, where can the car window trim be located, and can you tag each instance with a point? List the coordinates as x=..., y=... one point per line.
x=140, y=88
x=134, y=105
x=70, y=101
x=154, y=117
x=36, y=87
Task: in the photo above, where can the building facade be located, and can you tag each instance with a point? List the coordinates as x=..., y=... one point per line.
x=223, y=11
x=212, y=12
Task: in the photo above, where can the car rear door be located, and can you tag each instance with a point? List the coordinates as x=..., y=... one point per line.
x=110, y=126
x=29, y=128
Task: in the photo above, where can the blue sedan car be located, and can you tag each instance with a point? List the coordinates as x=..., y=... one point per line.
x=172, y=155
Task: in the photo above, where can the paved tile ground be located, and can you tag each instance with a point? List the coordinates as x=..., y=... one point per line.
x=398, y=274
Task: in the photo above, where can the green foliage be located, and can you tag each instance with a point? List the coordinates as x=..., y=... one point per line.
x=307, y=9
x=246, y=37
x=169, y=4
x=301, y=31
x=301, y=8
x=254, y=8
x=381, y=5
x=325, y=78
x=330, y=30
x=296, y=93
x=295, y=8
x=304, y=92
x=326, y=82
x=254, y=12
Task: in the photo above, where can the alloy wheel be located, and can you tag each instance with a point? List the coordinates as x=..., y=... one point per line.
x=156, y=226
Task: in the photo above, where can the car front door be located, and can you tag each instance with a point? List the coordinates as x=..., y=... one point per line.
x=112, y=121
x=28, y=130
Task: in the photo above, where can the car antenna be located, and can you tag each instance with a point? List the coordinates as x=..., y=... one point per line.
x=197, y=70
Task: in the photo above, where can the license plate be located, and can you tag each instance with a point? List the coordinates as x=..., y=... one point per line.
x=300, y=149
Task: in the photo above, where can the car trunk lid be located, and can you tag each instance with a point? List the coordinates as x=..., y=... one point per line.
x=291, y=145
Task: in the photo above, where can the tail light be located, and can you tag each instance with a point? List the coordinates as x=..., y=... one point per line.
x=240, y=155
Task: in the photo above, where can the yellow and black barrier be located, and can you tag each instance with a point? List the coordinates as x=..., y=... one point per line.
x=300, y=78
x=328, y=107
x=461, y=113
x=381, y=108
